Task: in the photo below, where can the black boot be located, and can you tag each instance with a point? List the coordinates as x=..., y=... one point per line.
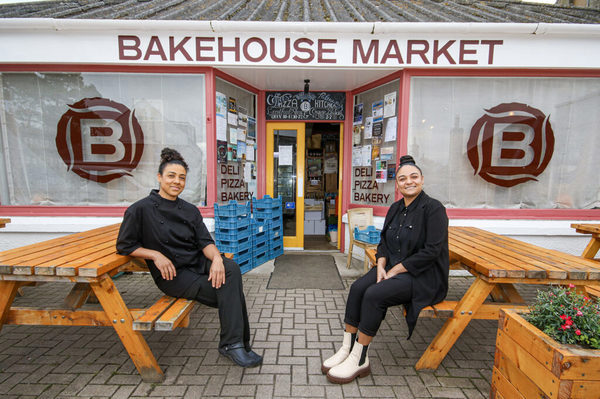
x=237, y=352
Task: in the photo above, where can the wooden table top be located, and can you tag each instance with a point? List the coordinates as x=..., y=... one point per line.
x=4, y=222
x=586, y=228
x=87, y=254
x=494, y=256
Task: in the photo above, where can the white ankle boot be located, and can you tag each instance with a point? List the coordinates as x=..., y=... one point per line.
x=340, y=355
x=349, y=369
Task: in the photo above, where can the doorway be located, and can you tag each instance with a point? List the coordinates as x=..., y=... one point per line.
x=304, y=168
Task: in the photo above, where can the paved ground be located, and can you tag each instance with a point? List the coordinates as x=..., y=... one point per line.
x=293, y=329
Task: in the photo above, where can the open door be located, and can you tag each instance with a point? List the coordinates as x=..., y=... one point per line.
x=285, y=177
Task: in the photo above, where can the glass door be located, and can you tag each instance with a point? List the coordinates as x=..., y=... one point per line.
x=285, y=177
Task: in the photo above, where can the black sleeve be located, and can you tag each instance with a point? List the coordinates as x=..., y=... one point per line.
x=203, y=237
x=129, y=238
x=382, y=249
x=436, y=239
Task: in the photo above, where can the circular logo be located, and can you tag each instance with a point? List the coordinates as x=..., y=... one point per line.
x=99, y=139
x=511, y=144
x=305, y=106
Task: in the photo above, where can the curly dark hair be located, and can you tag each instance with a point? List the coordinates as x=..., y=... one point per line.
x=169, y=156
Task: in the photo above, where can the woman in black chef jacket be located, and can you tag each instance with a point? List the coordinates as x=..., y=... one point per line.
x=412, y=269
x=182, y=257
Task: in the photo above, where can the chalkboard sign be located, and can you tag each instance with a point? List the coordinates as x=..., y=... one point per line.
x=295, y=105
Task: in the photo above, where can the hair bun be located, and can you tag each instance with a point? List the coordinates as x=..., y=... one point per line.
x=407, y=160
x=169, y=155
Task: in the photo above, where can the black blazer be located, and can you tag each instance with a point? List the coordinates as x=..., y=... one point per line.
x=427, y=258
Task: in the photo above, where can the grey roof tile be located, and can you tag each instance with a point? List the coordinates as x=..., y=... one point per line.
x=306, y=10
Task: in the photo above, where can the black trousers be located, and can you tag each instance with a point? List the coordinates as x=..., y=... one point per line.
x=229, y=299
x=368, y=300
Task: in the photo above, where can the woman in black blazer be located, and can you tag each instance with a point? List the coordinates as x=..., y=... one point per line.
x=412, y=270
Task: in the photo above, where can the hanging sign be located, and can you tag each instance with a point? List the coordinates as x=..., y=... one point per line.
x=315, y=106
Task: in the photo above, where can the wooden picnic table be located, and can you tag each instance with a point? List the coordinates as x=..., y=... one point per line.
x=497, y=263
x=594, y=245
x=4, y=222
x=89, y=260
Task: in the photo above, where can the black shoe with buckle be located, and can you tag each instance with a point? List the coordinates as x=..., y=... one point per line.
x=237, y=352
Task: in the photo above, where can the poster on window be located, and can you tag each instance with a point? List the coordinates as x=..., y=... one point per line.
x=221, y=151
x=251, y=131
x=368, y=127
x=241, y=149
x=221, y=104
x=358, y=114
x=390, y=129
x=377, y=111
x=389, y=105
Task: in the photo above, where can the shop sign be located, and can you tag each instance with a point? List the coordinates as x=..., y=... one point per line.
x=232, y=184
x=366, y=188
x=297, y=105
x=511, y=144
x=99, y=139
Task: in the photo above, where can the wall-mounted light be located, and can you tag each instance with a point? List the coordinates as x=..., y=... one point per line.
x=306, y=86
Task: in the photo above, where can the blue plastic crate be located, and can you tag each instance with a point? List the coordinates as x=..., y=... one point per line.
x=258, y=226
x=245, y=266
x=370, y=235
x=242, y=255
x=232, y=209
x=258, y=238
x=232, y=233
x=275, y=242
x=230, y=222
x=263, y=217
x=234, y=246
x=266, y=203
x=260, y=247
x=276, y=251
x=260, y=258
x=276, y=230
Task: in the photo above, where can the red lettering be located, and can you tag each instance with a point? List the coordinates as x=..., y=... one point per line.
x=437, y=52
x=155, y=42
x=392, y=46
x=200, y=48
x=223, y=183
x=287, y=50
x=491, y=44
x=422, y=52
x=357, y=48
x=174, y=49
x=223, y=169
x=235, y=48
x=464, y=51
x=308, y=51
x=322, y=50
x=262, y=46
x=135, y=47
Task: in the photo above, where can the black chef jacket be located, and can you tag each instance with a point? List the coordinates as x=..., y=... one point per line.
x=173, y=228
x=417, y=237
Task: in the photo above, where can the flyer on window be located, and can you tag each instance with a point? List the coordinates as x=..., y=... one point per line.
x=386, y=153
x=366, y=155
x=381, y=171
x=241, y=149
x=357, y=156
x=251, y=132
x=232, y=152
x=389, y=105
x=221, y=127
x=221, y=151
x=358, y=114
x=232, y=135
x=221, y=104
x=368, y=127
x=242, y=119
x=390, y=129
x=377, y=111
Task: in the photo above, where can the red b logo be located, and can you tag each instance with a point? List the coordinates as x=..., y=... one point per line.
x=99, y=139
x=511, y=144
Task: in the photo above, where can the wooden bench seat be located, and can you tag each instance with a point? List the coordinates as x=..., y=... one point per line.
x=487, y=311
x=166, y=314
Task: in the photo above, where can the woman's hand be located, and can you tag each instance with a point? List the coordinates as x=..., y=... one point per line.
x=381, y=274
x=166, y=267
x=399, y=268
x=217, y=272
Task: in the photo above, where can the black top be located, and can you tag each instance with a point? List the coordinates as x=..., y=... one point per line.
x=173, y=228
x=417, y=237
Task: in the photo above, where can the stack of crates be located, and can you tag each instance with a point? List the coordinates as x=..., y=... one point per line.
x=269, y=212
x=233, y=232
x=260, y=244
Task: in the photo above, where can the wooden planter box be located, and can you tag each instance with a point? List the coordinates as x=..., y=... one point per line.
x=530, y=364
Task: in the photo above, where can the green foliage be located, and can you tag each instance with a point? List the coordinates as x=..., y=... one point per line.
x=567, y=317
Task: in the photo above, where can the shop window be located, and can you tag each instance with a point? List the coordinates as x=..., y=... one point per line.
x=507, y=142
x=94, y=139
x=374, y=146
x=236, y=143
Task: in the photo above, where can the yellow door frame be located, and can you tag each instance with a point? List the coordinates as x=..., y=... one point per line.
x=296, y=241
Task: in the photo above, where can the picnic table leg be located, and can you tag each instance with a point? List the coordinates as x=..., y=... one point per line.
x=8, y=291
x=133, y=341
x=454, y=326
x=591, y=249
x=506, y=293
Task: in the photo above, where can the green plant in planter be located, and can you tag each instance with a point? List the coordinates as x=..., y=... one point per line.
x=566, y=316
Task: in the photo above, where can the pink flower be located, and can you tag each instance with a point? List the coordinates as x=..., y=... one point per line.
x=571, y=285
x=579, y=313
x=578, y=332
x=564, y=316
x=567, y=326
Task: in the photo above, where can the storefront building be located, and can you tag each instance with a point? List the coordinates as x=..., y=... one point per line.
x=502, y=118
